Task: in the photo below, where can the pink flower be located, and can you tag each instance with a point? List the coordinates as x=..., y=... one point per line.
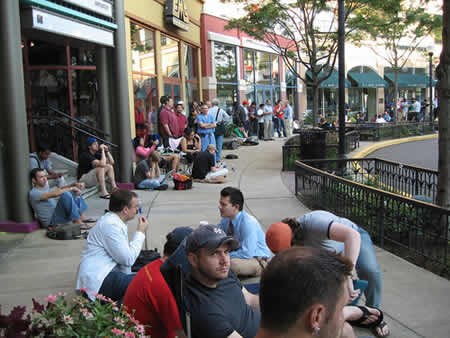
x=117, y=332
x=51, y=298
x=130, y=334
x=68, y=319
x=87, y=314
x=119, y=321
x=83, y=290
x=115, y=308
x=140, y=329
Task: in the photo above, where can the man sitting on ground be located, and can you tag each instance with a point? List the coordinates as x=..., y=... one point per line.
x=150, y=297
x=148, y=174
x=95, y=165
x=107, y=258
x=205, y=169
x=251, y=258
x=41, y=160
x=303, y=293
x=219, y=305
x=69, y=208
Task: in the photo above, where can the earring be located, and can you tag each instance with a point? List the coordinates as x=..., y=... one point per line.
x=316, y=331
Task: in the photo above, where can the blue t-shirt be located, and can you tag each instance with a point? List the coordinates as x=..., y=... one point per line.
x=205, y=119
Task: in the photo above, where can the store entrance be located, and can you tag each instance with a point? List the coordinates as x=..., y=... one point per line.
x=61, y=77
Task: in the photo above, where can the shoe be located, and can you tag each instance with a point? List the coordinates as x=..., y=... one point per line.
x=105, y=197
x=161, y=187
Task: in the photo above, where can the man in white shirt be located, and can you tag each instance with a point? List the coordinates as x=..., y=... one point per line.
x=107, y=258
x=416, y=109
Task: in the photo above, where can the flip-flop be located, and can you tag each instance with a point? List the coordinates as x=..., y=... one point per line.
x=106, y=197
x=89, y=220
x=86, y=226
x=365, y=315
x=381, y=326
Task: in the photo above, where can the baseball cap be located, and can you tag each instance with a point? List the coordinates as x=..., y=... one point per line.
x=279, y=237
x=178, y=234
x=210, y=237
x=245, y=102
x=91, y=140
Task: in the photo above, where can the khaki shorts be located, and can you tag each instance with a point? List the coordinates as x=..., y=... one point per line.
x=252, y=267
x=89, y=179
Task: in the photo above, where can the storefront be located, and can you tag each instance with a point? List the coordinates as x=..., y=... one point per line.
x=163, y=52
x=237, y=68
x=57, y=67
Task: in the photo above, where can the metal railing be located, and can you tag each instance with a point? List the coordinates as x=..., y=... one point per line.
x=380, y=131
x=291, y=148
x=412, y=229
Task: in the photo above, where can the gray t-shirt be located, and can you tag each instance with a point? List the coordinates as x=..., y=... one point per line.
x=43, y=208
x=140, y=174
x=36, y=163
x=316, y=229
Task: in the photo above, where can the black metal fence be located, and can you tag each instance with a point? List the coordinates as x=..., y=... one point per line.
x=292, y=152
x=412, y=229
x=381, y=131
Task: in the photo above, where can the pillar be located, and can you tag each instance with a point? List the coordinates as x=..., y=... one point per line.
x=104, y=93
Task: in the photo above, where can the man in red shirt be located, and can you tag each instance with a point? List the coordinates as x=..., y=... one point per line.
x=167, y=119
x=181, y=121
x=150, y=297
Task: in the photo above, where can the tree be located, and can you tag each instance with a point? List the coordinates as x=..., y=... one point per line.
x=398, y=27
x=443, y=90
x=302, y=32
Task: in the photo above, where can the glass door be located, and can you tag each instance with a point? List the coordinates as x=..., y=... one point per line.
x=263, y=93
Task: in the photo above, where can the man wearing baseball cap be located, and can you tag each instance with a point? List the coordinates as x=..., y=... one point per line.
x=96, y=164
x=219, y=305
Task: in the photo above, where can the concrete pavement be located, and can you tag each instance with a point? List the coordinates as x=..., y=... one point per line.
x=416, y=302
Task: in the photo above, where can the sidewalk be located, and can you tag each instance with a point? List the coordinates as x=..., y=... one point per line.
x=416, y=302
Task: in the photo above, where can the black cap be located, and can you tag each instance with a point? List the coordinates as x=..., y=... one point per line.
x=210, y=237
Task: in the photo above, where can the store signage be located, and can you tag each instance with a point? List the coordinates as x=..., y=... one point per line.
x=102, y=7
x=176, y=14
x=61, y=25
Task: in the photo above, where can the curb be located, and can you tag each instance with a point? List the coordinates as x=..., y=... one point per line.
x=372, y=148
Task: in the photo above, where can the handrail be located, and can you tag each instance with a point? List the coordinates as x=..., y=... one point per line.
x=78, y=121
x=89, y=134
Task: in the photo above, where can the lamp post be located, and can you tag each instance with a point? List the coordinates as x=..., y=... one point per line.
x=430, y=54
x=341, y=50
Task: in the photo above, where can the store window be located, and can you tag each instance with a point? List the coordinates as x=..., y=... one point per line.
x=249, y=70
x=144, y=80
x=42, y=53
x=170, y=57
x=191, y=77
x=227, y=94
x=142, y=50
x=262, y=68
x=275, y=69
x=225, y=62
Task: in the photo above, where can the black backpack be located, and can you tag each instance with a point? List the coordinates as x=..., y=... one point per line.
x=64, y=232
x=145, y=257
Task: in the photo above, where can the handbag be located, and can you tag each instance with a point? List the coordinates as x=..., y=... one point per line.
x=220, y=126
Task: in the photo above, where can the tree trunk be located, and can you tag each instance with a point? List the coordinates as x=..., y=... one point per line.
x=443, y=89
x=315, y=112
x=395, y=117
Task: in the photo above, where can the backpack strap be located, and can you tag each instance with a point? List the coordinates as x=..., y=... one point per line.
x=37, y=160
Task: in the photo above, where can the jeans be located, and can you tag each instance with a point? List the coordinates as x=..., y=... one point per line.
x=219, y=142
x=207, y=139
x=69, y=208
x=280, y=127
x=151, y=183
x=115, y=285
x=367, y=268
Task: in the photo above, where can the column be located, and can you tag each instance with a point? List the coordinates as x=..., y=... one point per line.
x=104, y=94
x=122, y=118
x=14, y=134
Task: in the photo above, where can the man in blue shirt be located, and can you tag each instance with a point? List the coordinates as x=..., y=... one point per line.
x=288, y=118
x=252, y=256
x=206, y=127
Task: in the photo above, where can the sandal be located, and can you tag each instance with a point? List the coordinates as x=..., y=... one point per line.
x=106, y=197
x=89, y=220
x=365, y=315
x=381, y=327
x=86, y=226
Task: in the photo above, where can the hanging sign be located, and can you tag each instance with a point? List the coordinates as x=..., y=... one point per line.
x=176, y=14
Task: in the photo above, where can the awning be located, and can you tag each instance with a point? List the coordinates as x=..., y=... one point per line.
x=332, y=81
x=367, y=80
x=410, y=80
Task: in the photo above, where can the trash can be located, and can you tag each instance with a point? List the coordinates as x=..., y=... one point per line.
x=313, y=144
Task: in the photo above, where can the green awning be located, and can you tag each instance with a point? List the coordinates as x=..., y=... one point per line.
x=332, y=81
x=410, y=80
x=367, y=80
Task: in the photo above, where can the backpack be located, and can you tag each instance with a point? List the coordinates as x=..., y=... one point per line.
x=64, y=232
x=145, y=257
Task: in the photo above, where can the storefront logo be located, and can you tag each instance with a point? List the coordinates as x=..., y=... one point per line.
x=176, y=14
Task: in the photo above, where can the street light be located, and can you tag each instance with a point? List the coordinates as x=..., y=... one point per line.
x=431, y=88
